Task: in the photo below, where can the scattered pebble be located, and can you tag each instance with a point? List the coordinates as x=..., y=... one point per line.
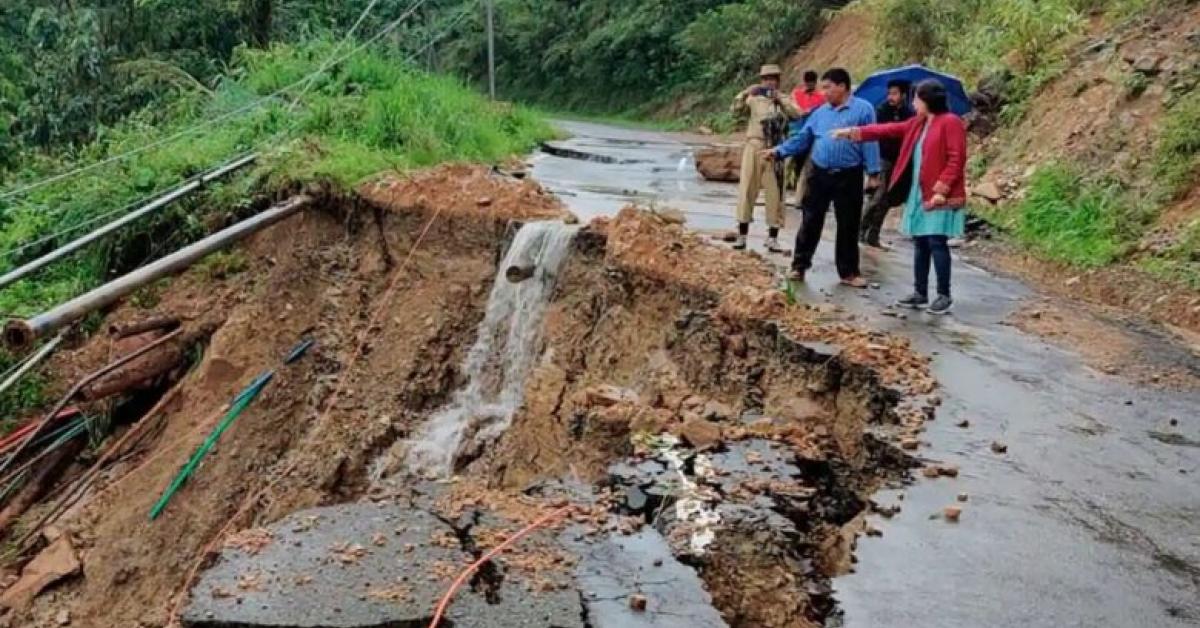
x=909, y=443
x=962, y=497
x=999, y=447
x=952, y=513
x=1174, y=422
x=637, y=602
x=931, y=471
x=963, y=424
x=949, y=471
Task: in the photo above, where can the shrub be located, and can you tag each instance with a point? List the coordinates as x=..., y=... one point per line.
x=1177, y=155
x=1067, y=218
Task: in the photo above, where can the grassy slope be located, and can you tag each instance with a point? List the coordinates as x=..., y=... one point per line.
x=368, y=115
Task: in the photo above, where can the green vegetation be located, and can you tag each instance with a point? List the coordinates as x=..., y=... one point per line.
x=630, y=56
x=370, y=114
x=223, y=264
x=1066, y=218
x=1023, y=40
x=1177, y=155
x=84, y=81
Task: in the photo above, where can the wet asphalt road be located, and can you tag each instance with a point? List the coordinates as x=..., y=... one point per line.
x=1092, y=518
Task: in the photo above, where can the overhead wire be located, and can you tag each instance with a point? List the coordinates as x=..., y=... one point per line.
x=466, y=11
x=342, y=42
x=256, y=103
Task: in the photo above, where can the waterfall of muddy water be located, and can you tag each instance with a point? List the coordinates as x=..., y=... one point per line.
x=502, y=356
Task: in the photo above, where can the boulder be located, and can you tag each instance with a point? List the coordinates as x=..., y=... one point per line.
x=988, y=191
x=701, y=434
x=56, y=562
x=720, y=163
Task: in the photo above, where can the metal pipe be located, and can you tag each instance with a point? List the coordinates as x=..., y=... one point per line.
x=158, y=203
x=491, y=47
x=21, y=333
x=32, y=361
x=150, y=324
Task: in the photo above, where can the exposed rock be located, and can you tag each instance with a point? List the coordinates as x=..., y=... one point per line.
x=999, y=447
x=952, y=513
x=670, y=215
x=54, y=563
x=988, y=191
x=717, y=411
x=720, y=163
x=1149, y=63
x=605, y=396
x=701, y=434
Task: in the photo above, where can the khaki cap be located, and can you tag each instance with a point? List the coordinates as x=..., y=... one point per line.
x=770, y=69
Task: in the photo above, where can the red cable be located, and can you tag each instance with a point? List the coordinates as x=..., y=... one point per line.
x=466, y=573
x=8, y=441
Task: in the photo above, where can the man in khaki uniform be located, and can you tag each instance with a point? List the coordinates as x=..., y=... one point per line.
x=764, y=103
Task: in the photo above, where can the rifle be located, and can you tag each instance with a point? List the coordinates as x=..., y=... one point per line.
x=775, y=128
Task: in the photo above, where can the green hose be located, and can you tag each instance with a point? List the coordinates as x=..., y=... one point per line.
x=240, y=403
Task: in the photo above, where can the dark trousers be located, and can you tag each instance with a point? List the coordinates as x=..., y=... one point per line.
x=885, y=198
x=878, y=206
x=844, y=189
x=937, y=249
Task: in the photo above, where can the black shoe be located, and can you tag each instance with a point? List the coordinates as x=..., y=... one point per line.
x=941, y=305
x=914, y=301
x=740, y=243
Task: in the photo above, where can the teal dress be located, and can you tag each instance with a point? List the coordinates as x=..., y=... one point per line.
x=947, y=221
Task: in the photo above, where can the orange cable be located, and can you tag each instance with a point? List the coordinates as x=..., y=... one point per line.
x=466, y=573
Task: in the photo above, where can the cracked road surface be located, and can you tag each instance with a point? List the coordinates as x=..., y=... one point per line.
x=1091, y=518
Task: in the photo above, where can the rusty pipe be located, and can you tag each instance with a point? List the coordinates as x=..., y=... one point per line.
x=151, y=207
x=21, y=333
x=518, y=273
x=150, y=324
x=147, y=367
x=80, y=385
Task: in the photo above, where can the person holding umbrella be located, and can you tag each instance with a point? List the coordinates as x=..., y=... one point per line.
x=934, y=149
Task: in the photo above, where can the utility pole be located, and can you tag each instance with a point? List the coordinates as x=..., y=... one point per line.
x=491, y=37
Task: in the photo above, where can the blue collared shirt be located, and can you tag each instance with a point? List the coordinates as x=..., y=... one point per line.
x=827, y=152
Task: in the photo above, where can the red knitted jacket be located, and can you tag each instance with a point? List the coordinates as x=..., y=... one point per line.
x=943, y=155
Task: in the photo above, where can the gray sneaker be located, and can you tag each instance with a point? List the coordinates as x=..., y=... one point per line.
x=941, y=305
x=914, y=301
x=772, y=245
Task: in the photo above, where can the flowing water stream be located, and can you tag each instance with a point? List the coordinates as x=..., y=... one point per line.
x=502, y=356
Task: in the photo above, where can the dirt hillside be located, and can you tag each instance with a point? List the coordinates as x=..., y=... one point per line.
x=392, y=287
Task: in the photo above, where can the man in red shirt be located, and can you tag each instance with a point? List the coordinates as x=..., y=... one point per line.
x=807, y=98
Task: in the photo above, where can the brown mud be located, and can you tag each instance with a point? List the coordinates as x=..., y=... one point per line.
x=701, y=344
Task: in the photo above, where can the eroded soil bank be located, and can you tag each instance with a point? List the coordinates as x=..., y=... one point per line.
x=701, y=428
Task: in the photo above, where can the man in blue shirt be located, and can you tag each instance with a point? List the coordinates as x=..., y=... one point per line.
x=836, y=177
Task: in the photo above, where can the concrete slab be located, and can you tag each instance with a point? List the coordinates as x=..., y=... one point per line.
x=613, y=569
x=363, y=566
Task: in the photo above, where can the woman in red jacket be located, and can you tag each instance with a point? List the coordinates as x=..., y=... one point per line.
x=935, y=147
